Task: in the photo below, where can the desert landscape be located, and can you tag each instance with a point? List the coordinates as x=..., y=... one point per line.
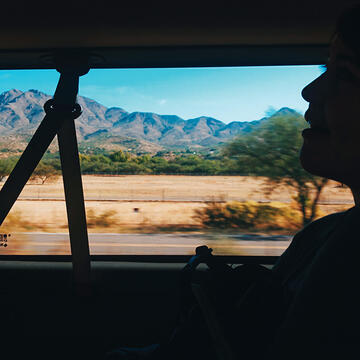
x=190, y=182
x=150, y=204
x=133, y=201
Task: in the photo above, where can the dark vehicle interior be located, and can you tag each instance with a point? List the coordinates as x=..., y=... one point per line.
x=81, y=305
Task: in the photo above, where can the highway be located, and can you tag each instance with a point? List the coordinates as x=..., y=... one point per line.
x=148, y=244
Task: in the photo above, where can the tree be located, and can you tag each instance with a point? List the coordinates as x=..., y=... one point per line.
x=120, y=156
x=44, y=172
x=6, y=166
x=272, y=151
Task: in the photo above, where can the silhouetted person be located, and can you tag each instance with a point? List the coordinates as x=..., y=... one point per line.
x=310, y=309
x=320, y=269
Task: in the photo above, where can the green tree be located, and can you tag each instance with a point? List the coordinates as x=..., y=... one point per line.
x=6, y=165
x=119, y=156
x=272, y=151
x=143, y=159
x=44, y=172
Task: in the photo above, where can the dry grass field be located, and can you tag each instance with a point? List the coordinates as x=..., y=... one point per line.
x=146, y=202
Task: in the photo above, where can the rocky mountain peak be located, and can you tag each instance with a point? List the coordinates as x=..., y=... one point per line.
x=8, y=96
x=21, y=113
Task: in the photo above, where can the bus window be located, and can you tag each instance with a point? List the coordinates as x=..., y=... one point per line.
x=170, y=159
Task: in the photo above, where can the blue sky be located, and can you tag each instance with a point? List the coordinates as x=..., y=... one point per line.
x=228, y=94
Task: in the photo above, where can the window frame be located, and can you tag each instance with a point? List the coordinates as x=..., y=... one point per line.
x=167, y=57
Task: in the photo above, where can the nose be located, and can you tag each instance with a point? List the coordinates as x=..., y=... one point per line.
x=317, y=90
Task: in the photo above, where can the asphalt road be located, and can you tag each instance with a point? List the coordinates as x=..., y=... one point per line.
x=148, y=244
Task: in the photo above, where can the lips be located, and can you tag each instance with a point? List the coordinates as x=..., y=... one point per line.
x=319, y=129
x=316, y=127
x=315, y=132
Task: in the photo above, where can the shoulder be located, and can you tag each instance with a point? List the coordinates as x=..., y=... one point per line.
x=317, y=228
x=322, y=223
x=306, y=237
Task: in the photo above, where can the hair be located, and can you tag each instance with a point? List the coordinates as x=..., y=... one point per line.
x=348, y=28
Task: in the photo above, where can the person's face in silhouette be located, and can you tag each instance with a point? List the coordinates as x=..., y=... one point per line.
x=331, y=145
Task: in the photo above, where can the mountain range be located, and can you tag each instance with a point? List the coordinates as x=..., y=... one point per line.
x=114, y=128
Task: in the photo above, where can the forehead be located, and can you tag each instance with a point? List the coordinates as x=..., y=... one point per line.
x=339, y=51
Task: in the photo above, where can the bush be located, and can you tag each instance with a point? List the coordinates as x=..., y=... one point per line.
x=15, y=221
x=45, y=171
x=248, y=215
x=104, y=219
x=6, y=166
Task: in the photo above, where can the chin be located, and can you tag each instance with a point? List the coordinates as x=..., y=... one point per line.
x=325, y=166
x=315, y=164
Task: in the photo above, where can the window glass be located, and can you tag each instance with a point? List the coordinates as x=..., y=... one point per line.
x=171, y=159
x=37, y=223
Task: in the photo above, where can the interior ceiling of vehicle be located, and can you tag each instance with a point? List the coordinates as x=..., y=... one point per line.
x=156, y=34
x=133, y=304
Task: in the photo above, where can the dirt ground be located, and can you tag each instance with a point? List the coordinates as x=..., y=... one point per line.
x=142, y=201
x=177, y=187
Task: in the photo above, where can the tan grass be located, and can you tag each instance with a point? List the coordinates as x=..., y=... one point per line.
x=162, y=201
x=177, y=187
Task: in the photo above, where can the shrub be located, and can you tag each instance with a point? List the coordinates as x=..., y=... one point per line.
x=6, y=165
x=15, y=221
x=248, y=215
x=44, y=172
x=104, y=219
